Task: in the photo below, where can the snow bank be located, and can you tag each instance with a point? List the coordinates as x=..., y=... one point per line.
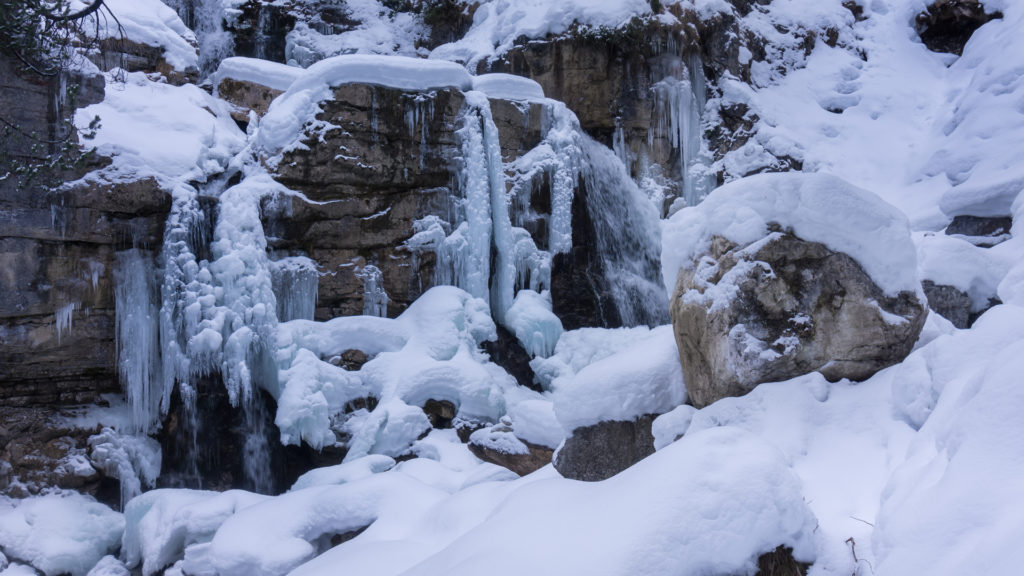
x=161, y=524
x=954, y=505
x=508, y=87
x=272, y=538
x=643, y=378
x=187, y=135
x=658, y=517
x=282, y=126
x=816, y=207
x=263, y=72
x=59, y=534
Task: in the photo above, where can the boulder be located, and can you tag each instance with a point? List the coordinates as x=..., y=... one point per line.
x=777, y=279
x=499, y=445
x=602, y=450
x=795, y=307
x=949, y=302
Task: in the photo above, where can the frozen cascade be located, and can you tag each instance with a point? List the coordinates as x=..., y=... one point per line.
x=138, y=344
x=418, y=114
x=464, y=257
x=245, y=318
x=679, y=106
x=185, y=291
x=375, y=298
x=206, y=19
x=628, y=234
x=295, y=282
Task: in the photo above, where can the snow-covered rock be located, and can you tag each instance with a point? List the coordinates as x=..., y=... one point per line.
x=781, y=275
x=59, y=533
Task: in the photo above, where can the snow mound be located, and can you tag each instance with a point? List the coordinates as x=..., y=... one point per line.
x=273, y=537
x=188, y=135
x=659, y=517
x=161, y=524
x=59, y=534
x=344, y=473
x=282, y=126
x=508, y=87
x=644, y=377
x=263, y=72
x=816, y=207
x=430, y=352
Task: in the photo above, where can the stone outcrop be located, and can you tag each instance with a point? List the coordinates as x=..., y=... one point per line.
x=246, y=96
x=368, y=181
x=947, y=25
x=600, y=451
x=795, y=307
x=389, y=174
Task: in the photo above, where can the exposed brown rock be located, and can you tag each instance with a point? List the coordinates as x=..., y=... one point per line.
x=522, y=464
x=246, y=96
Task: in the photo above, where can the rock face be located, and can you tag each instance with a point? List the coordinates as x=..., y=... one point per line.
x=366, y=198
x=780, y=308
x=947, y=25
x=598, y=452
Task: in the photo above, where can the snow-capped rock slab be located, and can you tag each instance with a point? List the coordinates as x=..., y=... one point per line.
x=782, y=275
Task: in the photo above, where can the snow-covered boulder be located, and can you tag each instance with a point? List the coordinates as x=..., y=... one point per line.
x=500, y=445
x=784, y=274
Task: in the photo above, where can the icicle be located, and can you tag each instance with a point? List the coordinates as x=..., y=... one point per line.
x=375, y=298
x=295, y=281
x=138, y=347
x=679, y=106
x=63, y=318
x=562, y=133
